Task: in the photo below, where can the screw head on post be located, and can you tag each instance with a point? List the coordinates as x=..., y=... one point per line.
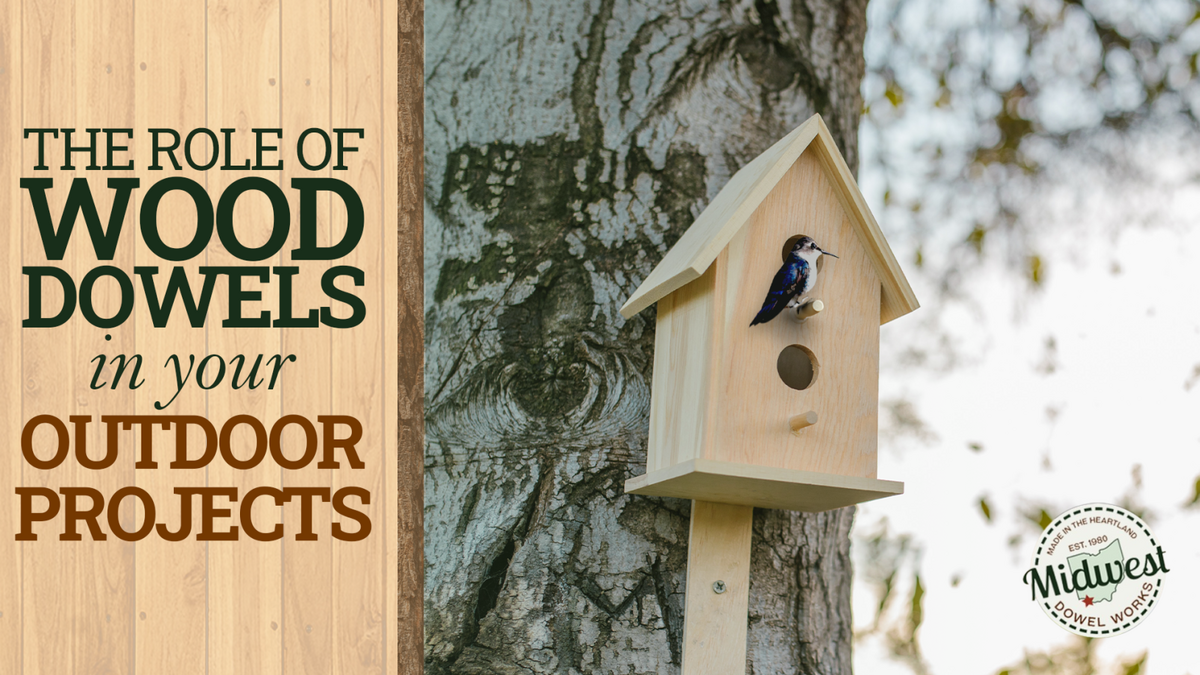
x=718, y=587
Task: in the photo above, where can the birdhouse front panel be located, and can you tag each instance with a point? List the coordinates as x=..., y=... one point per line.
x=755, y=395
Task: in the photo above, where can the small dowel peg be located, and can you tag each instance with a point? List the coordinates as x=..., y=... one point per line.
x=798, y=422
x=809, y=309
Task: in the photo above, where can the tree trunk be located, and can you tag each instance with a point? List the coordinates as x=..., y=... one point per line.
x=568, y=146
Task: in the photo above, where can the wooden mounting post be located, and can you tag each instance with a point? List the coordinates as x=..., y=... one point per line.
x=718, y=589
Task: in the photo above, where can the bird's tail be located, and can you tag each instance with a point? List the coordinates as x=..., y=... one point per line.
x=766, y=314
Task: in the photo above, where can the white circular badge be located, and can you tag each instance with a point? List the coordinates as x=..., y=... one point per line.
x=1097, y=571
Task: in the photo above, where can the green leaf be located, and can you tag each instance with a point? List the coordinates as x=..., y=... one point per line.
x=985, y=508
x=976, y=237
x=917, y=613
x=1195, y=493
x=1036, y=270
x=1135, y=668
x=885, y=595
x=1039, y=517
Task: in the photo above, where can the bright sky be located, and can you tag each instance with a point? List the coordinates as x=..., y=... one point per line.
x=1126, y=347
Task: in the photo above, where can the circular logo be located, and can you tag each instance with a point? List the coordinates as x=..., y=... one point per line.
x=1097, y=571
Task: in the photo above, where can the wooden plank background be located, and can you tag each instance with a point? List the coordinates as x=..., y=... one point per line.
x=409, y=562
x=219, y=607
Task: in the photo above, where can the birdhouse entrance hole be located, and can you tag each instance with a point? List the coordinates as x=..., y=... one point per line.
x=797, y=366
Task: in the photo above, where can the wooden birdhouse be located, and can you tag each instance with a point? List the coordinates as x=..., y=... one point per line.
x=783, y=414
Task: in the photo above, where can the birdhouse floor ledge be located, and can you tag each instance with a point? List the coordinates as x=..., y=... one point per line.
x=765, y=487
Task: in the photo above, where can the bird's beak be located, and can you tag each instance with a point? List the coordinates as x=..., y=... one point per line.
x=827, y=253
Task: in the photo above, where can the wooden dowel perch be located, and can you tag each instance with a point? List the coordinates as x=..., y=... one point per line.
x=809, y=309
x=798, y=422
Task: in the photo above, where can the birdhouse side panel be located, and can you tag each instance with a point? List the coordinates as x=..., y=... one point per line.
x=753, y=403
x=683, y=374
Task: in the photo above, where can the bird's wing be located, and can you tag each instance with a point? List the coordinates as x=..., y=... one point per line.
x=787, y=282
x=799, y=282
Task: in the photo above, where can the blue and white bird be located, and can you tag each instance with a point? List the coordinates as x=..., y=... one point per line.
x=793, y=281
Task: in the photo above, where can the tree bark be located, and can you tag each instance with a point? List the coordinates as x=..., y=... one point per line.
x=568, y=146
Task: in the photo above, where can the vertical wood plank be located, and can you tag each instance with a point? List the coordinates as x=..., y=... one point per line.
x=11, y=169
x=714, y=625
x=171, y=577
x=308, y=586
x=360, y=610
x=244, y=596
x=388, y=183
x=76, y=594
x=104, y=623
x=410, y=339
x=49, y=566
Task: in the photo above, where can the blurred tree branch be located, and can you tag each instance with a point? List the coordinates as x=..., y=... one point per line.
x=969, y=107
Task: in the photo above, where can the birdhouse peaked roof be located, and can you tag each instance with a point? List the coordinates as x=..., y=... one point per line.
x=736, y=202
